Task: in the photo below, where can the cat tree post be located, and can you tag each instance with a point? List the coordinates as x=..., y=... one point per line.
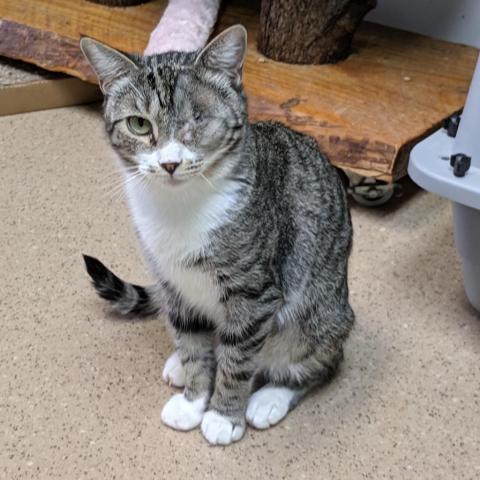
x=309, y=31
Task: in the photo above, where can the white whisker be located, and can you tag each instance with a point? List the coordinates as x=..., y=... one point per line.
x=116, y=172
x=119, y=188
x=208, y=181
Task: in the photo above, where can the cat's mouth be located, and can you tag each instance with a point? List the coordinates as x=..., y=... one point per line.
x=170, y=180
x=175, y=181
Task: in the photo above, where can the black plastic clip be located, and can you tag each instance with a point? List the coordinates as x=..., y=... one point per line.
x=451, y=124
x=460, y=163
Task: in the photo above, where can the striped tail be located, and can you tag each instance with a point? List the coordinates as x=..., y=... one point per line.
x=125, y=298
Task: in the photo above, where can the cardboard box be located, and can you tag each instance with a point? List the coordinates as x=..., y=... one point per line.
x=46, y=93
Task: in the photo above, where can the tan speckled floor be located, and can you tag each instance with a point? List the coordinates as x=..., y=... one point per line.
x=80, y=391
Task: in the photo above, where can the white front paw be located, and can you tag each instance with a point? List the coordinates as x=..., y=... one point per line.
x=173, y=372
x=269, y=405
x=220, y=430
x=182, y=414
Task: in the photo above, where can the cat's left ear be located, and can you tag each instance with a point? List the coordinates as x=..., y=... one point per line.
x=108, y=64
x=226, y=52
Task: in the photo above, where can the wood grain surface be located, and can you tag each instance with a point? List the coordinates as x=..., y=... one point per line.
x=366, y=112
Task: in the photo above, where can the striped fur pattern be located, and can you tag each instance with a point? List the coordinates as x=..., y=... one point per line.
x=249, y=238
x=125, y=298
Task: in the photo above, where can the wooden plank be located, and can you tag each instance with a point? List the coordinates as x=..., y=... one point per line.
x=124, y=28
x=46, y=49
x=365, y=112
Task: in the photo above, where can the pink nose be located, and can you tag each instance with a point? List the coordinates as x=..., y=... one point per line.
x=170, y=167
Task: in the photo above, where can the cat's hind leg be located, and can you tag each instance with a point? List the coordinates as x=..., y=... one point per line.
x=287, y=383
x=270, y=404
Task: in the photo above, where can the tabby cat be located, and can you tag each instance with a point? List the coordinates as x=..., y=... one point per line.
x=245, y=227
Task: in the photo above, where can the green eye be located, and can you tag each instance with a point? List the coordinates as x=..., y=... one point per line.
x=139, y=125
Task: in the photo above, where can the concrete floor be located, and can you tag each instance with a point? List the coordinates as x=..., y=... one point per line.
x=80, y=390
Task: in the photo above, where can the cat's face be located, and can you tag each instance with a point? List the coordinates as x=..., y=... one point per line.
x=174, y=116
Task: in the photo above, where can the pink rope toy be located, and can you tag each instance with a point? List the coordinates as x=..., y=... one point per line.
x=185, y=26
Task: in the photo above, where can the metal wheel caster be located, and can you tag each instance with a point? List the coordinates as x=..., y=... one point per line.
x=369, y=192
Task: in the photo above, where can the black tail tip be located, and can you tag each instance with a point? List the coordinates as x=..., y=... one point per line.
x=95, y=268
x=107, y=285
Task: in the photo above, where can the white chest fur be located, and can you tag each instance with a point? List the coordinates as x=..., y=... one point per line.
x=174, y=224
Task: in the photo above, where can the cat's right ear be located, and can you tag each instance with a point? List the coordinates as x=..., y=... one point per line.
x=107, y=63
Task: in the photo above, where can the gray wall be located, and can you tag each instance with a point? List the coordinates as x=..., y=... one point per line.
x=453, y=20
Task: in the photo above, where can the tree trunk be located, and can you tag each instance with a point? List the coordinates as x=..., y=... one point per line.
x=309, y=31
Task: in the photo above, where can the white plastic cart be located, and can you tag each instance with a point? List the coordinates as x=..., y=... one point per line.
x=449, y=165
